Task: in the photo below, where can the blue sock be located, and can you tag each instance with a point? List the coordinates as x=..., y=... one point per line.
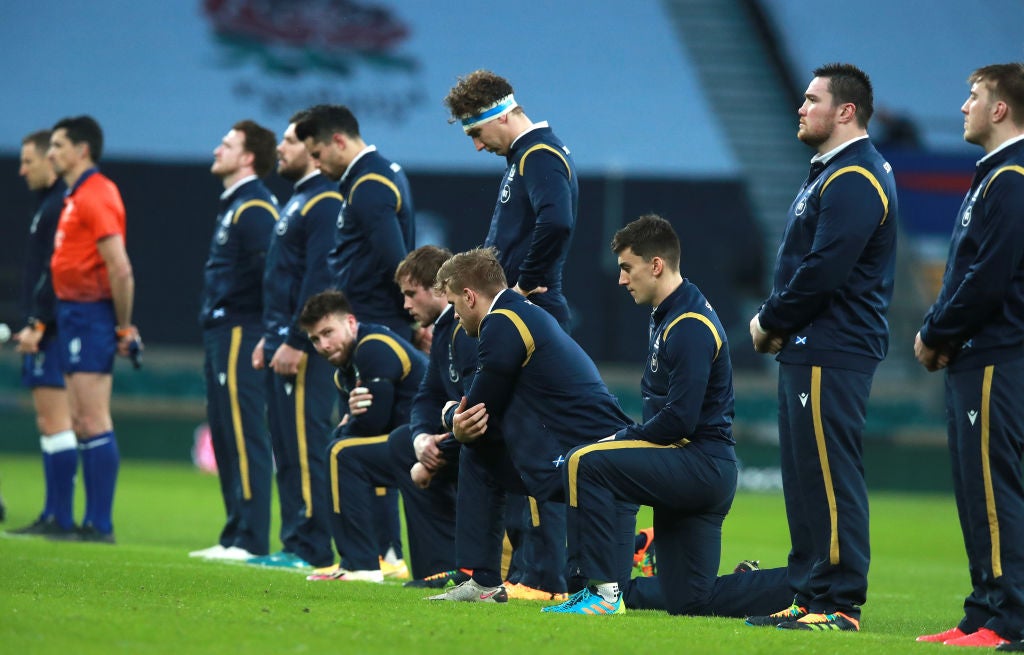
x=100, y=462
x=60, y=462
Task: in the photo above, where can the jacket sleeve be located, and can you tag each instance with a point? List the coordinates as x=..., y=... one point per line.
x=321, y=216
x=376, y=205
x=546, y=175
x=689, y=352
x=381, y=369
x=983, y=290
x=424, y=416
x=502, y=354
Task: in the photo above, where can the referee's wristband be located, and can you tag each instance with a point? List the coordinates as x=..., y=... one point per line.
x=124, y=332
x=36, y=325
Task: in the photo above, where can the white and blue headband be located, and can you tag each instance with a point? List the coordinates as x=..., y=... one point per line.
x=489, y=113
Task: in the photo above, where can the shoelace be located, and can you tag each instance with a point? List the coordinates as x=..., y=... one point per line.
x=577, y=597
x=441, y=575
x=792, y=610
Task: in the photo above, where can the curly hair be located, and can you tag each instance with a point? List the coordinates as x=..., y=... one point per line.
x=479, y=89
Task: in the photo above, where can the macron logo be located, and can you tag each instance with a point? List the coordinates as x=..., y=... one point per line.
x=972, y=416
x=803, y=400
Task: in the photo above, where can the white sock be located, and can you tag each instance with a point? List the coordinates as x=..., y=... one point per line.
x=609, y=591
x=59, y=442
x=390, y=557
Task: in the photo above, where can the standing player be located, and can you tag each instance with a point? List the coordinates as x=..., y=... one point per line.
x=531, y=228
x=535, y=214
x=826, y=320
x=375, y=231
x=38, y=342
x=95, y=289
x=371, y=359
x=544, y=393
x=975, y=330
x=375, y=226
x=680, y=460
x=232, y=305
x=300, y=397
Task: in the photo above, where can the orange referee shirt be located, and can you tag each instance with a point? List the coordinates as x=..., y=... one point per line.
x=93, y=209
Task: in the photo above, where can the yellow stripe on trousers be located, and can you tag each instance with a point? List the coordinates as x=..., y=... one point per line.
x=300, y=433
x=335, y=451
x=826, y=471
x=986, y=471
x=574, y=459
x=236, y=411
x=534, y=512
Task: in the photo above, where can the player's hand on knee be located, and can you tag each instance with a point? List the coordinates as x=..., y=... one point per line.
x=359, y=401
x=421, y=477
x=427, y=451
x=470, y=423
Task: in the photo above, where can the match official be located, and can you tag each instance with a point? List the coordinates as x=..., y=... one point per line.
x=37, y=340
x=95, y=288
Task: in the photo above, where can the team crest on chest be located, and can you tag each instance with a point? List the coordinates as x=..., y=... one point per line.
x=965, y=219
x=654, y=354
x=453, y=373
x=506, y=190
x=225, y=226
x=801, y=206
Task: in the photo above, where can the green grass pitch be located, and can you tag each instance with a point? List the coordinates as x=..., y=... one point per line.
x=145, y=595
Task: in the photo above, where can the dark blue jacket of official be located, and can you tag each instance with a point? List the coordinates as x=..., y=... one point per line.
x=233, y=279
x=450, y=372
x=687, y=387
x=391, y=368
x=980, y=311
x=38, y=300
x=295, y=267
x=535, y=216
x=542, y=389
x=833, y=281
x=375, y=232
